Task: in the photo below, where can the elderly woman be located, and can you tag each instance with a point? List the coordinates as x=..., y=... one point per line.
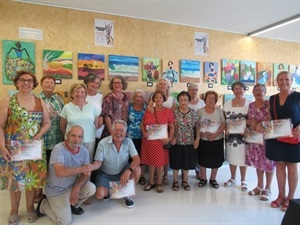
x=211, y=147
x=235, y=151
x=153, y=154
x=83, y=113
x=23, y=118
x=115, y=104
x=183, y=152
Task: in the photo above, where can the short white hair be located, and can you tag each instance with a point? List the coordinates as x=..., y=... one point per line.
x=121, y=122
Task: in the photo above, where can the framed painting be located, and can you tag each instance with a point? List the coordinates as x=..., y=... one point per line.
x=17, y=56
x=264, y=72
x=90, y=64
x=211, y=72
x=190, y=71
x=125, y=66
x=277, y=68
x=295, y=74
x=58, y=64
x=151, y=69
x=170, y=70
x=230, y=71
x=248, y=72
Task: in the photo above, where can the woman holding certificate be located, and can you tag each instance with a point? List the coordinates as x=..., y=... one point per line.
x=158, y=130
x=256, y=153
x=24, y=119
x=285, y=105
x=236, y=111
x=211, y=147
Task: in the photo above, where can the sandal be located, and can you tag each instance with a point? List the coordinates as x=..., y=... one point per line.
x=13, y=219
x=185, y=185
x=214, y=183
x=285, y=205
x=244, y=185
x=256, y=191
x=278, y=202
x=32, y=217
x=229, y=183
x=159, y=188
x=202, y=183
x=265, y=195
x=149, y=186
x=142, y=181
x=165, y=181
x=175, y=186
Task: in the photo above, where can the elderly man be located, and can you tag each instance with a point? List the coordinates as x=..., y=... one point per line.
x=68, y=184
x=112, y=157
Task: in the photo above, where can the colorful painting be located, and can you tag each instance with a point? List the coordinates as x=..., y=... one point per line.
x=277, y=68
x=125, y=66
x=211, y=72
x=170, y=70
x=190, y=71
x=17, y=55
x=295, y=73
x=90, y=64
x=264, y=72
x=58, y=64
x=248, y=72
x=230, y=71
x=151, y=69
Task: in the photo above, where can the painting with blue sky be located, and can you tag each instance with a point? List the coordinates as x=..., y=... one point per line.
x=248, y=72
x=91, y=64
x=190, y=71
x=125, y=66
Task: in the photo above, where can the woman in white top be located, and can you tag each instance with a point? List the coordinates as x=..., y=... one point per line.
x=195, y=103
x=235, y=149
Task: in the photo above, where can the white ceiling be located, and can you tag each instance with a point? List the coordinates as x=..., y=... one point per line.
x=237, y=16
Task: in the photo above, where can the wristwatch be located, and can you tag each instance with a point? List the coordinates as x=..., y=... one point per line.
x=131, y=170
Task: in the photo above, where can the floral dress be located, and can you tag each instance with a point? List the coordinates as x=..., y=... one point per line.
x=256, y=153
x=22, y=125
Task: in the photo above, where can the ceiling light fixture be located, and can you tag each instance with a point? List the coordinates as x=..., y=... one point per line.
x=275, y=25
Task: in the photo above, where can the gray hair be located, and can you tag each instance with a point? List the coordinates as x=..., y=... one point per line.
x=120, y=122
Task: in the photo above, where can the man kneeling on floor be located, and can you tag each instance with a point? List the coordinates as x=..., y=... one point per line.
x=112, y=157
x=68, y=184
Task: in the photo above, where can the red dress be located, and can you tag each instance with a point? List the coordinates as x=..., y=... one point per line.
x=153, y=153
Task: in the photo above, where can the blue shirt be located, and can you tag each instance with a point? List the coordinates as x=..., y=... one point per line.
x=134, y=122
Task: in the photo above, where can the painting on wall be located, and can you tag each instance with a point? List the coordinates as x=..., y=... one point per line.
x=58, y=64
x=125, y=66
x=151, y=69
x=230, y=71
x=248, y=72
x=104, y=33
x=190, y=71
x=295, y=74
x=211, y=72
x=17, y=55
x=277, y=68
x=264, y=71
x=170, y=70
x=231, y=96
x=90, y=64
x=201, y=43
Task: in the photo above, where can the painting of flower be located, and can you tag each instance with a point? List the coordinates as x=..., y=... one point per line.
x=190, y=71
x=264, y=71
x=91, y=64
x=248, y=72
x=211, y=72
x=17, y=55
x=230, y=71
x=125, y=66
x=151, y=69
x=278, y=67
x=58, y=64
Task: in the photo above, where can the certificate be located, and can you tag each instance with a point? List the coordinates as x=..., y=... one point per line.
x=121, y=191
x=99, y=131
x=208, y=125
x=157, y=131
x=236, y=126
x=251, y=136
x=277, y=128
x=26, y=150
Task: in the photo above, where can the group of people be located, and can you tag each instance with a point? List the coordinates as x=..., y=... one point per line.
x=95, y=139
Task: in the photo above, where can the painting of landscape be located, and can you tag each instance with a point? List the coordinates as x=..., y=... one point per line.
x=125, y=66
x=91, y=64
x=190, y=71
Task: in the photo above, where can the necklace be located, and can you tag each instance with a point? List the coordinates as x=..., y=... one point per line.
x=239, y=103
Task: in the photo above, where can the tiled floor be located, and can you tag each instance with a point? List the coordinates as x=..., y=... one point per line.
x=206, y=206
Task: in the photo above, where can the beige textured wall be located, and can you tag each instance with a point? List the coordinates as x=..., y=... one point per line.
x=73, y=30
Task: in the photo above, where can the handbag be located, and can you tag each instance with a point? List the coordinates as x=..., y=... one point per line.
x=288, y=140
x=169, y=144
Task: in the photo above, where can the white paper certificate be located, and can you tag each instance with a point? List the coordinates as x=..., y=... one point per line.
x=208, y=125
x=236, y=126
x=253, y=137
x=120, y=191
x=277, y=128
x=157, y=131
x=26, y=150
